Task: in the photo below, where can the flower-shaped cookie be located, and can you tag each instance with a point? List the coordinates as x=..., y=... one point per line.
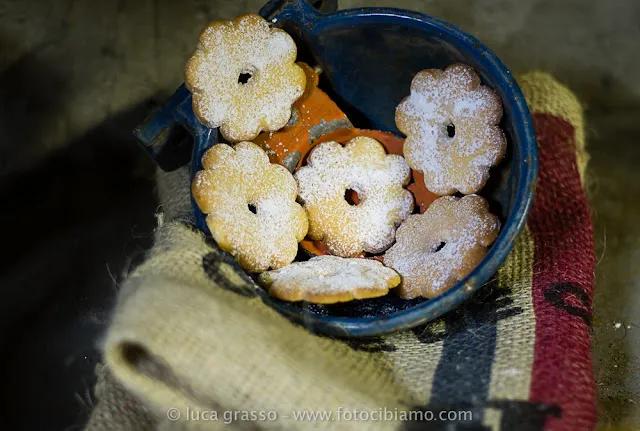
x=435, y=249
x=330, y=279
x=333, y=173
x=451, y=123
x=250, y=205
x=243, y=77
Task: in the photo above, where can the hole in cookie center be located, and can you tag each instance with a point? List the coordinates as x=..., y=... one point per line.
x=451, y=130
x=244, y=77
x=439, y=247
x=351, y=196
x=252, y=208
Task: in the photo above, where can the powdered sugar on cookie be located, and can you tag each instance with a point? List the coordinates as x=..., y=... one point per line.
x=250, y=206
x=451, y=122
x=243, y=77
x=330, y=279
x=436, y=249
x=362, y=166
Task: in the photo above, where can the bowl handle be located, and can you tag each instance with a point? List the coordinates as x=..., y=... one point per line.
x=171, y=133
x=275, y=7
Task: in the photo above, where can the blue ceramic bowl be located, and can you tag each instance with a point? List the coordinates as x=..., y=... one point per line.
x=368, y=57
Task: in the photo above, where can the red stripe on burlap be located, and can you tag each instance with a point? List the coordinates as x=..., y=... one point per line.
x=563, y=275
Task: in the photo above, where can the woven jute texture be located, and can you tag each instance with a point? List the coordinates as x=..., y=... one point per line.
x=190, y=344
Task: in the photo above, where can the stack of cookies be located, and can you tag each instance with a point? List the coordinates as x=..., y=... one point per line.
x=371, y=211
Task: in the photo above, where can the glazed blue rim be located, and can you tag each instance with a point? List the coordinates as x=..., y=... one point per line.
x=523, y=132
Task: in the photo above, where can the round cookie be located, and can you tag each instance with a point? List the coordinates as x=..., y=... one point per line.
x=250, y=205
x=330, y=279
x=361, y=166
x=393, y=145
x=436, y=249
x=451, y=122
x=243, y=77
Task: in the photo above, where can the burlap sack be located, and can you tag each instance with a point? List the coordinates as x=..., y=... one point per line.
x=191, y=346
